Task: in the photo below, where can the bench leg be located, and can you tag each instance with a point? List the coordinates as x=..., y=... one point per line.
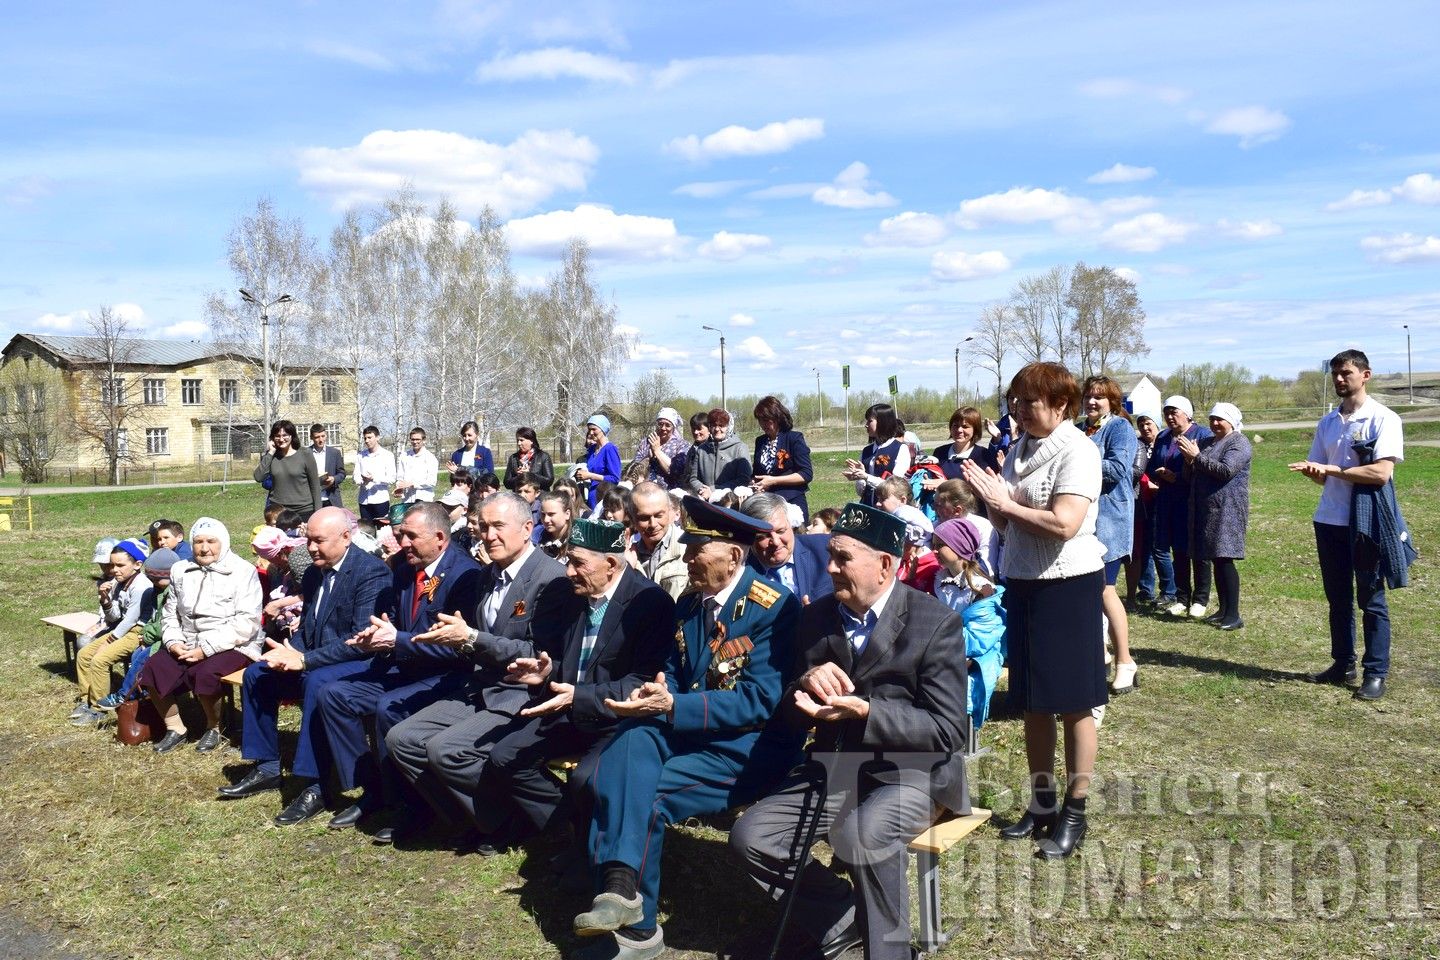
x=227, y=712
x=927, y=870
x=72, y=644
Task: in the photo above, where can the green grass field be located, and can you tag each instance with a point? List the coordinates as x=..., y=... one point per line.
x=1238, y=811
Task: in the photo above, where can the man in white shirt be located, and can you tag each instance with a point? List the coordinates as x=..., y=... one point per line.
x=1357, y=444
x=375, y=472
x=416, y=471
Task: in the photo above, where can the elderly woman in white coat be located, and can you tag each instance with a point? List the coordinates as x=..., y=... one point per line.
x=212, y=628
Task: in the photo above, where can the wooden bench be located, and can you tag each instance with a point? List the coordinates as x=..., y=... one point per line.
x=232, y=683
x=72, y=625
x=927, y=848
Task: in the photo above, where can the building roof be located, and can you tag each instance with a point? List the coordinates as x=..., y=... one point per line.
x=1129, y=381
x=83, y=351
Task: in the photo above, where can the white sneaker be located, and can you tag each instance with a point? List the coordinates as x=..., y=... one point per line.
x=1176, y=609
x=1125, y=680
x=1197, y=610
x=1099, y=714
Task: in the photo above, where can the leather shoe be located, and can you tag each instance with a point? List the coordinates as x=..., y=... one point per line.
x=1069, y=833
x=170, y=741
x=1236, y=624
x=1031, y=826
x=347, y=818
x=1372, y=689
x=841, y=944
x=1336, y=674
x=209, y=740
x=609, y=912
x=310, y=802
x=403, y=832
x=254, y=782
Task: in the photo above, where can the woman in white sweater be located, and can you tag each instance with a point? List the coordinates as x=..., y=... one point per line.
x=212, y=628
x=1044, y=502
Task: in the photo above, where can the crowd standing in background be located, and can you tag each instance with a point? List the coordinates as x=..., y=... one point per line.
x=676, y=625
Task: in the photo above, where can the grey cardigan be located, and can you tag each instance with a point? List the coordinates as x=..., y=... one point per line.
x=294, y=483
x=1220, y=497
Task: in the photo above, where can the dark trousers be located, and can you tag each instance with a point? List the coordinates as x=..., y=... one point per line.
x=1351, y=571
x=1192, y=579
x=388, y=694
x=868, y=826
x=442, y=750
x=261, y=693
x=517, y=780
x=375, y=512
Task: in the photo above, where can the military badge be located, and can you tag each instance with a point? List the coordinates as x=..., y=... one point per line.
x=519, y=610
x=680, y=642
x=739, y=610
x=730, y=660
x=431, y=585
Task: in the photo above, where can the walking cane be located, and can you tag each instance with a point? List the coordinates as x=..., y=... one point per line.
x=821, y=794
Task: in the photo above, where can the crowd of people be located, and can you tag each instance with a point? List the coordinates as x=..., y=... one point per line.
x=670, y=626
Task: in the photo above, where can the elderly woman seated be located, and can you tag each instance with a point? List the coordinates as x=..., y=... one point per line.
x=212, y=628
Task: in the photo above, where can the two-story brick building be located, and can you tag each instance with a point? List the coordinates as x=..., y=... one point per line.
x=184, y=402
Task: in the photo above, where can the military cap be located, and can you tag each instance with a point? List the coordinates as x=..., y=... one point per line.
x=602, y=536
x=872, y=527
x=705, y=521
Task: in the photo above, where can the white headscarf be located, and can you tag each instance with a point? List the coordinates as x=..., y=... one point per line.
x=210, y=527
x=1227, y=412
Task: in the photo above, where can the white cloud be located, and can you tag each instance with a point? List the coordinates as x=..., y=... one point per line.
x=472, y=173
x=741, y=320
x=1146, y=233
x=1038, y=205
x=785, y=191
x=626, y=330
x=1110, y=88
x=708, y=190
x=654, y=353
x=869, y=360
x=78, y=321
x=1403, y=248
x=748, y=65
x=909, y=229
x=1253, y=125
x=959, y=265
x=755, y=348
x=850, y=334
x=852, y=190
x=732, y=246
x=738, y=141
x=1251, y=229
x=1419, y=188
x=552, y=63
x=1361, y=198
x=1125, y=273
x=610, y=234
x=189, y=329
x=345, y=53
x=1121, y=173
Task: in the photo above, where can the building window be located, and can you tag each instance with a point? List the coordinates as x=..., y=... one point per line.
x=22, y=398
x=299, y=391
x=4, y=402
x=112, y=391
x=332, y=435
x=259, y=387
x=157, y=441
x=154, y=392
x=229, y=392
x=120, y=441
x=190, y=392
x=37, y=393
x=329, y=391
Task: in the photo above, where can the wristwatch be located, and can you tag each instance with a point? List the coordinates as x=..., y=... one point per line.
x=468, y=647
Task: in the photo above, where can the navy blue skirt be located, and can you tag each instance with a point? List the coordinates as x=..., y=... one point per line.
x=1057, y=643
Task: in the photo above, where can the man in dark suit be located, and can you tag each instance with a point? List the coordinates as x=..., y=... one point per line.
x=343, y=588
x=614, y=643
x=401, y=676
x=442, y=748
x=703, y=737
x=883, y=684
x=797, y=561
x=329, y=464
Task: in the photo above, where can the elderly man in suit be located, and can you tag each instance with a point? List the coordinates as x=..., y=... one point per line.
x=703, y=737
x=442, y=748
x=343, y=588
x=797, y=561
x=401, y=676
x=329, y=464
x=883, y=684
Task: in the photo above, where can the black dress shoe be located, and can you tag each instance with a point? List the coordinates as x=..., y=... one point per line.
x=1215, y=619
x=1069, y=833
x=1336, y=674
x=1236, y=624
x=1372, y=689
x=170, y=741
x=254, y=782
x=841, y=944
x=347, y=818
x=1031, y=826
x=310, y=803
x=403, y=832
x=209, y=740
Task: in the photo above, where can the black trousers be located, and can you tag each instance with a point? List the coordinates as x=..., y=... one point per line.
x=518, y=782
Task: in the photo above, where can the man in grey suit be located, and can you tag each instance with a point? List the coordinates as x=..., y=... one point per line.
x=442, y=748
x=329, y=464
x=882, y=681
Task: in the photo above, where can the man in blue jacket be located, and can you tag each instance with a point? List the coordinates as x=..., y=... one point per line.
x=798, y=562
x=702, y=736
x=343, y=588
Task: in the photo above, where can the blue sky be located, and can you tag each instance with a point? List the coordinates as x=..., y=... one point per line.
x=828, y=182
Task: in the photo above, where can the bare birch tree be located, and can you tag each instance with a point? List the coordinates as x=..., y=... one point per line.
x=109, y=408
x=1109, y=321
x=353, y=333
x=994, y=335
x=397, y=264
x=1029, y=304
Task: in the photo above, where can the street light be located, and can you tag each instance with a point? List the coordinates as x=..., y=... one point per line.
x=722, y=363
x=250, y=298
x=957, y=370
x=1409, y=368
x=819, y=397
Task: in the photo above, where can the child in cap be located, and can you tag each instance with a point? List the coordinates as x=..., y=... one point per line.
x=969, y=592
x=109, y=615
x=171, y=536
x=157, y=571
x=133, y=598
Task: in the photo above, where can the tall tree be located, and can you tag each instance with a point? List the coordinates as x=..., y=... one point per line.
x=488, y=302
x=352, y=334
x=994, y=334
x=651, y=392
x=1051, y=291
x=107, y=410
x=1030, y=303
x=36, y=428
x=397, y=269
x=1109, y=321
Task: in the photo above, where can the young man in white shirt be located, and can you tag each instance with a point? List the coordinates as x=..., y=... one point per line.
x=416, y=470
x=1349, y=564
x=374, y=473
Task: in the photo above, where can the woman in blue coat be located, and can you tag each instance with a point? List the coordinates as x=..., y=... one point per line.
x=602, y=458
x=1108, y=424
x=782, y=457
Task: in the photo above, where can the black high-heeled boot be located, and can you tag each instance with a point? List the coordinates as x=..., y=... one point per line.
x=1068, y=834
x=1037, y=823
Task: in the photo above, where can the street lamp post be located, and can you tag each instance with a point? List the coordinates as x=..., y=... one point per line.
x=819, y=396
x=722, y=364
x=264, y=307
x=957, y=370
x=1409, y=367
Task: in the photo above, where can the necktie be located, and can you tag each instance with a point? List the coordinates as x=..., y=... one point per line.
x=712, y=612
x=420, y=579
x=592, y=634
x=494, y=601
x=327, y=586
